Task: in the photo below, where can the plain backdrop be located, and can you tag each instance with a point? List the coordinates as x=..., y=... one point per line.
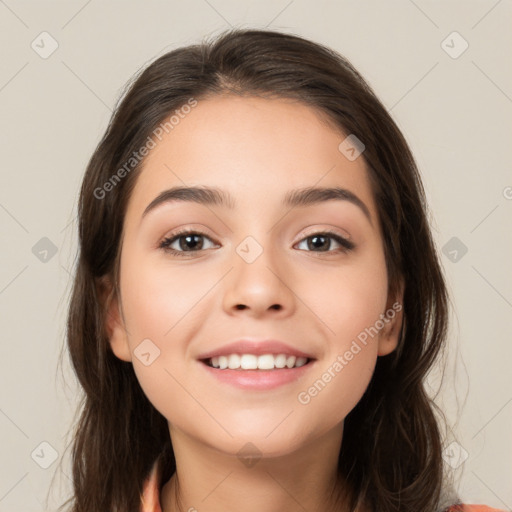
x=443, y=70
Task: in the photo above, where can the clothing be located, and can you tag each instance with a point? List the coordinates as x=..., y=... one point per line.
x=150, y=499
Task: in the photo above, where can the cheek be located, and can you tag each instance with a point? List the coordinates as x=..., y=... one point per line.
x=160, y=300
x=350, y=302
x=351, y=311
x=347, y=301
x=336, y=388
x=163, y=308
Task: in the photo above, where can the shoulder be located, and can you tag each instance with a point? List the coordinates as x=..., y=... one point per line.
x=150, y=497
x=472, y=508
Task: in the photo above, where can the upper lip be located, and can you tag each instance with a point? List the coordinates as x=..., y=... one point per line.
x=256, y=347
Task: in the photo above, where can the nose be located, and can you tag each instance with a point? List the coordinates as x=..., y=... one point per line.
x=260, y=286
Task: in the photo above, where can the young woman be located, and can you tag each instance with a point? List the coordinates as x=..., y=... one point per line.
x=258, y=297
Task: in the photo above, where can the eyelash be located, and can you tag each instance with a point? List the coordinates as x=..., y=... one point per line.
x=346, y=245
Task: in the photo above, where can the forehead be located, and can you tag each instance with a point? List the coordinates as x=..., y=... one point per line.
x=257, y=149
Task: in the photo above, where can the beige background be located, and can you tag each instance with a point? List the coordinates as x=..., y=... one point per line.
x=455, y=112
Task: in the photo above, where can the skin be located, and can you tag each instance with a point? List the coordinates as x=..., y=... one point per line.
x=257, y=149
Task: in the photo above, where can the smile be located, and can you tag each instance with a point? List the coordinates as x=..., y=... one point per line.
x=257, y=373
x=256, y=362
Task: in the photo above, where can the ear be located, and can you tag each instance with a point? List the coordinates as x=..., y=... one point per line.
x=389, y=336
x=114, y=321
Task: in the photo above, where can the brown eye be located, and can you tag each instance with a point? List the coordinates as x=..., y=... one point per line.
x=183, y=242
x=322, y=242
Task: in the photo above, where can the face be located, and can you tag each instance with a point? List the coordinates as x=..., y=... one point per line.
x=310, y=275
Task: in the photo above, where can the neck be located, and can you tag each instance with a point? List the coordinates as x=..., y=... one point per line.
x=209, y=479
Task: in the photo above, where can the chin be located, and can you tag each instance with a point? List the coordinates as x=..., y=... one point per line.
x=269, y=440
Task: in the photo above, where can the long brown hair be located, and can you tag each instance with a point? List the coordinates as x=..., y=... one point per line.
x=391, y=454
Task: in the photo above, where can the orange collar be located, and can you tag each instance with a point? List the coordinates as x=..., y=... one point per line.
x=150, y=498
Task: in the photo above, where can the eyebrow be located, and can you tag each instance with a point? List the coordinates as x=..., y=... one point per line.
x=212, y=196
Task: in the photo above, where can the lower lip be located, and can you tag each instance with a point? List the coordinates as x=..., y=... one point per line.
x=258, y=379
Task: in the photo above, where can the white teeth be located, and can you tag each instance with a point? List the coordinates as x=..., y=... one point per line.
x=290, y=361
x=280, y=361
x=253, y=362
x=234, y=362
x=266, y=362
x=301, y=361
x=248, y=362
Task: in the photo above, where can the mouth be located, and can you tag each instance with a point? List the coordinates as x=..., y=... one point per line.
x=264, y=362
